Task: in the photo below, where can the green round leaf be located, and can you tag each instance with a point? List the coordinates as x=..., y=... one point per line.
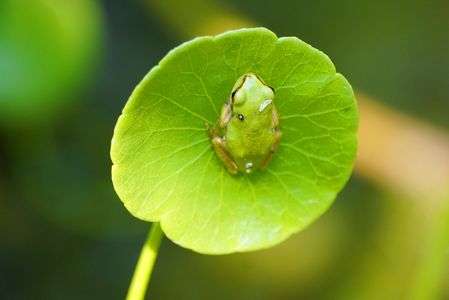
x=166, y=170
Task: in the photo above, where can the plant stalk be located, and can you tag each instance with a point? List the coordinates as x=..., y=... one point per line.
x=145, y=264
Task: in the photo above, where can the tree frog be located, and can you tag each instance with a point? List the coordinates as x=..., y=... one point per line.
x=247, y=134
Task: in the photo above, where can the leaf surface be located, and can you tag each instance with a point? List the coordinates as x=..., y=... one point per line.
x=164, y=167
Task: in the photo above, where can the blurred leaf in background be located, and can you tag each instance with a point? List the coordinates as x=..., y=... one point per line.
x=48, y=49
x=61, y=168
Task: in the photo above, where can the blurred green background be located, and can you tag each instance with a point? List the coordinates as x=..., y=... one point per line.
x=66, y=71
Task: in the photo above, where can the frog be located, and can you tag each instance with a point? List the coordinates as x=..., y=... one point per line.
x=247, y=134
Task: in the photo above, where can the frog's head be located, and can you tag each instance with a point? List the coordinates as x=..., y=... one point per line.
x=250, y=93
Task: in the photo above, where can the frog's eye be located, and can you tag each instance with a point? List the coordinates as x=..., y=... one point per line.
x=241, y=117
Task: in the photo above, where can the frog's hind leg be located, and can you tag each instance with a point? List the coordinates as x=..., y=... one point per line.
x=273, y=149
x=224, y=155
x=277, y=139
x=275, y=118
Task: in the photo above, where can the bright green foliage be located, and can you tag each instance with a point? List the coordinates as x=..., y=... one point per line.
x=166, y=170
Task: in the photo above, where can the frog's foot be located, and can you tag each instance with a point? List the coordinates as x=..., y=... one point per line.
x=224, y=155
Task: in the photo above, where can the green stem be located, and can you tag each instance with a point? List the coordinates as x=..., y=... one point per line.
x=145, y=264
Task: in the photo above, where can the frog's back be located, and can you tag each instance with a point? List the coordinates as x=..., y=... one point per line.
x=250, y=143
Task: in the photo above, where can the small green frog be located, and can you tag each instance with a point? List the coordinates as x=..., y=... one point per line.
x=247, y=134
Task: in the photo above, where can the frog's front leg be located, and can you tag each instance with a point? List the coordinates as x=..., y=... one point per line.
x=220, y=127
x=226, y=114
x=222, y=152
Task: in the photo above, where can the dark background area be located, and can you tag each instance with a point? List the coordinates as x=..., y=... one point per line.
x=66, y=235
